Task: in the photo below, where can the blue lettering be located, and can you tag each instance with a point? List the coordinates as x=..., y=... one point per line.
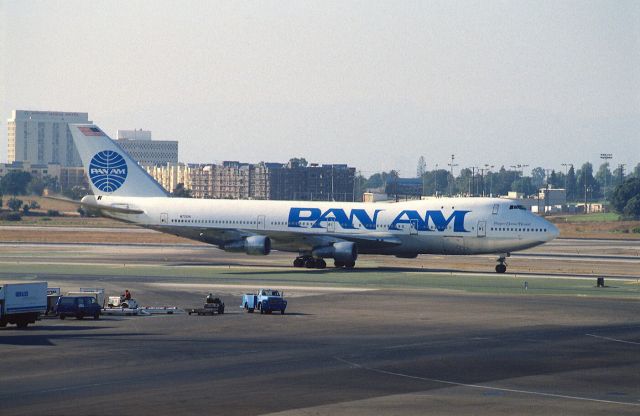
x=436, y=217
x=364, y=218
x=338, y=215
x=406, y=217
x=22, y=294
x=295, y=215
x=441, y=224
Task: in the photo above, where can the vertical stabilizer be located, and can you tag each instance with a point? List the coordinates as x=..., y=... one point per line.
x=111, y=171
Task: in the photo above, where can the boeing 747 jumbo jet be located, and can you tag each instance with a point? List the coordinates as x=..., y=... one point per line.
x=315, y=230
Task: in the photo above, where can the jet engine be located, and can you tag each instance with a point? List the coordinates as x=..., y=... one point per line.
x=256, y=245
x=345, y=252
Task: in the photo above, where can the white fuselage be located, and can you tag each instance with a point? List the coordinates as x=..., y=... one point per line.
x=405, y=229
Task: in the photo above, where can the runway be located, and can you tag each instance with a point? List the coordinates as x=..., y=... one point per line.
x=386, y=340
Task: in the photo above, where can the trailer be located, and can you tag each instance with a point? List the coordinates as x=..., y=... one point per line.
x=22, y=303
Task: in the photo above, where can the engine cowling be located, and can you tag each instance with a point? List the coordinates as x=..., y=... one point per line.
x=345, y=252
x=256, y=245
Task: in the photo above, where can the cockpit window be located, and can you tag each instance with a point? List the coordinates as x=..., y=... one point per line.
x=520, y=207
x=495, y=209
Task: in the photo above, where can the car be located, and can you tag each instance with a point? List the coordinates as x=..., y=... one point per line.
x=78, y=306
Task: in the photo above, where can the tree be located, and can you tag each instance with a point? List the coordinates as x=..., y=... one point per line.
x=556, y=180
x=181, y=192
x=76, y=193
x=36, y=186
x=537, y=177
x=572, y=185
x=636, y=171
x=604, y=178
x=51, y=183
x=586, y=182
x=623, y=194
x=422, y=167
x=15, y=183
x=632, y=209
x=524, y=186
x=14, y=204
x=298, y=161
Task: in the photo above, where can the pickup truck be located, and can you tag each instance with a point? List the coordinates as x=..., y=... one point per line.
x=265, y=300
x=22, y=303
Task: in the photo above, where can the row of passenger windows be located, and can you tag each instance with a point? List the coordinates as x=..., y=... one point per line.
x=526, y=230
x=190, y=221
x=309, y=224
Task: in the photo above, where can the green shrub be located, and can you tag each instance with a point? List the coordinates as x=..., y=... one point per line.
x=10, y=216
x=14, y=204
x=53, y=213
x=636, y=230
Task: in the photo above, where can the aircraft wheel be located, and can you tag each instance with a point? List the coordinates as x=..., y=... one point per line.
x=310, y=263
x=501, y=268
x=338, y=264
x=298, y=262
x=350, y=265
x=321, y=264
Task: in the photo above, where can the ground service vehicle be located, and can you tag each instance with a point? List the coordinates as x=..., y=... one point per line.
x=211, y=306
x=22, y=303
x=78, y=306
x=266, y=301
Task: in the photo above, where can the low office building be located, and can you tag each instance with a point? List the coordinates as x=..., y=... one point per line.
x=147, y=152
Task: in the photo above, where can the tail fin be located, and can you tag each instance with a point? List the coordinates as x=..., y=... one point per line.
x=111, y=171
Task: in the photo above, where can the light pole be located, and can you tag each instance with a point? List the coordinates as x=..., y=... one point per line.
x=452, y=165
x=605, y=157
x=435, y=181
x=488, y=169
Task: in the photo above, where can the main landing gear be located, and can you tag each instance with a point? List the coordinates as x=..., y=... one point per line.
x=501, y=267
x=345, y=264
x=309, y=262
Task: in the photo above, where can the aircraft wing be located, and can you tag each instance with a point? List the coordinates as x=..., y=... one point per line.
x=285, y=240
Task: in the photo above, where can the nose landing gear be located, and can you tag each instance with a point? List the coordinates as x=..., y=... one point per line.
x=501, y=267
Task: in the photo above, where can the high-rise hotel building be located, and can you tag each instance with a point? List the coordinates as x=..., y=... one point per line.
x=43, y=137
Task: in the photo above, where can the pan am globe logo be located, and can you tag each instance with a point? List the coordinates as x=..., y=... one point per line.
x=108, y=170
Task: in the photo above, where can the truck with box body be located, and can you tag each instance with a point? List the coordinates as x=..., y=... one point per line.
x=265, y=300
x=22, y=303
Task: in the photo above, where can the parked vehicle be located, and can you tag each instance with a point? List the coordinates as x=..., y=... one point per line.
x=78, y=306
x=212, y=305
x=265, y=300
x=22, y=303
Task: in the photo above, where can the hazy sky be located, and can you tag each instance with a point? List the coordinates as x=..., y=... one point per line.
x=374, y=84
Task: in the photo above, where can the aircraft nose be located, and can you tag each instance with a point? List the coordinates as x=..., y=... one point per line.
x=552, y=231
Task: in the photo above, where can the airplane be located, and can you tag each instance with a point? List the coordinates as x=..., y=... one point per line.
x=314, y=230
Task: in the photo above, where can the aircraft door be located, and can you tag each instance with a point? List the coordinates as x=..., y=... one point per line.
x=164, y=218
x=413, y=227
x=260, y=224
x=331, y=225
x=482, y=228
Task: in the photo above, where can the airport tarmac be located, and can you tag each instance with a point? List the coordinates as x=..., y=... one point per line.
x=387, y=339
